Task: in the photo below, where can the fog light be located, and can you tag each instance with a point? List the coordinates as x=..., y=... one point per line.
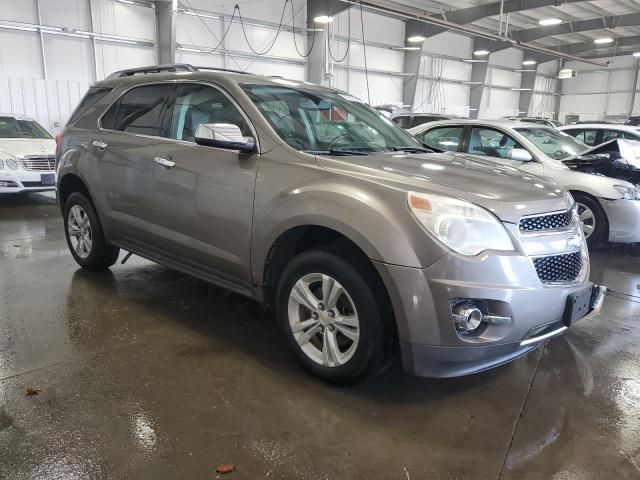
x=467, y=317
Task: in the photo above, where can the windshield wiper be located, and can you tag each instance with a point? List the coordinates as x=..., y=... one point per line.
x=411, y=149
x=338, y=152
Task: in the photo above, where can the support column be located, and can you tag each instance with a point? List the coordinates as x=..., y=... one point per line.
x=166, y=24
x=44, y=58
x=478, y=79
x=317, y=61
x=559, y=91
x=634, y=88
x=528, y=81
x=411, y=66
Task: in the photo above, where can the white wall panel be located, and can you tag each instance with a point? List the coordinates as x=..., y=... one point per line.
x=503, y=78
x=50, y=102
x=509, y=57
x=123, y=19
x=446, y=98
x=203, y=59
x=383, y=88
x=19, y=11
x=498, y=103
x=261, y=40
x=448, y=43
x=114, y=56
x=69, y=58
x=20, y=54
x=377, y=58
x=265, y=67
x=377, y=28
x=65, y=13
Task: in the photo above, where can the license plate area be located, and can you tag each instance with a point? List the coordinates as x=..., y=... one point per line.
x=578, y=305
x=48, y=179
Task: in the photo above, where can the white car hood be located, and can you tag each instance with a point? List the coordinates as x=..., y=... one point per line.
x=13, y=147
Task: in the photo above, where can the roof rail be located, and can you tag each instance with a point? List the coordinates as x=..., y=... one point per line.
x=172, y=67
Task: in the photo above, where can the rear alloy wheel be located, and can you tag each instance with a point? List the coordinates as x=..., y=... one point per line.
x=337, y=323
x=84, y=234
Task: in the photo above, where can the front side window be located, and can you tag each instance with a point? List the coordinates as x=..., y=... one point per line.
x=443, y=138
x=139, y=110
x=198, y=104
x=610, y=135
x=491, y=143
x=554, y=144
x=327, y=122
x=21, y=127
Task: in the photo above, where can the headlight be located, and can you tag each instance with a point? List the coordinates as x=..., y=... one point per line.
x=628, y=193
x=1, y=164
x=12, y=164
x=461, y=226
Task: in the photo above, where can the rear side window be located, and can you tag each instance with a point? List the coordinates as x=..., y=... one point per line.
x=420, y=119
x=402, y=121
x=92, y=97
x=139, y=110
x=443, y=138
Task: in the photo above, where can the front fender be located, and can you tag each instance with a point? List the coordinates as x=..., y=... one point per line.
x=376, y=219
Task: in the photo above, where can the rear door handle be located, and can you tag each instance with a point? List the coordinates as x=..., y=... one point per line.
x=165, y=162
x=99, y=145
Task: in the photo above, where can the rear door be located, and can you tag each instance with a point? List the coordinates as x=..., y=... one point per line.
x=130, y=137
x=203, y=196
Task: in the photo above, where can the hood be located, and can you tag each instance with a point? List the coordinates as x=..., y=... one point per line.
x=616, y=158
x=27, y=146
x=506, y=191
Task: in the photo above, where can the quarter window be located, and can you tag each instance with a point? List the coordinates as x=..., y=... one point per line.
x=491, y=143
x=139, y=110
x=198, y=104
x=443, y=138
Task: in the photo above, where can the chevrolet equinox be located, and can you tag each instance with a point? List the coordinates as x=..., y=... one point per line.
x=308, y=200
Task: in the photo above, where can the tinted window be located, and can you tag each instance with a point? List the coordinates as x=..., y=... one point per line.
x=491, y=143
x=403, y=121
x=629, y=136
x=139, y=110
x=92, y=97
x=199, y=104
x=553, y=143
x=420, y=119
x=443, y=138
x=22, y=127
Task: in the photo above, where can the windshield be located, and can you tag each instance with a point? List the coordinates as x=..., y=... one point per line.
x=327, y=122
x=554, y=144
x=12, y=127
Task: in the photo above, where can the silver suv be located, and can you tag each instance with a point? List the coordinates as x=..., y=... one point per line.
x=308, y=200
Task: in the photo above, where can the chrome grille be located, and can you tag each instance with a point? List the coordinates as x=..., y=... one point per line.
x=559, y=268
x=540, y=223
x=39, y=164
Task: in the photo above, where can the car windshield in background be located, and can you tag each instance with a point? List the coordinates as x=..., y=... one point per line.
x=554, y=144
x=325, y=122
x=11, y=127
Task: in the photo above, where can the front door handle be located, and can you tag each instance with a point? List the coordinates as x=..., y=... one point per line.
x=165, y=162
x=99, y=145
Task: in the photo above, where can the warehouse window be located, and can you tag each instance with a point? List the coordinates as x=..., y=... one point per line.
x=139, y=110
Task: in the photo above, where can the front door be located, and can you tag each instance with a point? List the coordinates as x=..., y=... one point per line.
x=203, y=196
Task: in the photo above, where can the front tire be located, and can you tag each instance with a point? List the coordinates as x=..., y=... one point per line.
x=84, y=235
x=332, y=317
x=593, y=219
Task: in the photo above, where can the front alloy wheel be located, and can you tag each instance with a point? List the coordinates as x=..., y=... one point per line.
x=587, y=219
x=323, y=319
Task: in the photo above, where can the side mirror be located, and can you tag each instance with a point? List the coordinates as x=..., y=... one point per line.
x=520, y=154
x=223, y=135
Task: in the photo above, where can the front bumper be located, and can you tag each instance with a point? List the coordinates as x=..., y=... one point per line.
x=19, y=181
x=430, y=344
x=624, y=220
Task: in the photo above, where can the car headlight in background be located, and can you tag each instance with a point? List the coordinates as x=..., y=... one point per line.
x=11, y=163
x=628, y=193
x=462, y=226
x=1, y=164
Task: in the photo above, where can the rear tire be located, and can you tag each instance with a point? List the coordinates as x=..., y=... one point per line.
x=333, y=318
x=84, y=234
x=595, y=224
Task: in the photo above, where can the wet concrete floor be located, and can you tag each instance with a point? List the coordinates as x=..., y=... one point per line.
x=149, y=374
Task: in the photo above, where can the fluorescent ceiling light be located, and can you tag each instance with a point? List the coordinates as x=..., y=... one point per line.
x=546, y=22
x=475, y=60
x=406, y=48
x=521, y=89
x=416, y=39
x=481, y=52
x=199, y=14
x=601, y=41
x=323, y=19
x=523, y=70
x=529, y=62
x=471, y=82
x=636, y=54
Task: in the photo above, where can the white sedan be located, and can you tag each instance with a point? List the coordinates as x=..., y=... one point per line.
x=27, y=155
x=609, y=208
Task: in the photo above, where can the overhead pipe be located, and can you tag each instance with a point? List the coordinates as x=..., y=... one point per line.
x=415, y=14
